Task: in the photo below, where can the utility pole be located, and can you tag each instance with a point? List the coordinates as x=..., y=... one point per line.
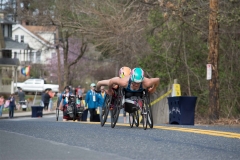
x=213, y=59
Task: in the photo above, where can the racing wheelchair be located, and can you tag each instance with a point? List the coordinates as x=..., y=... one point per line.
x=73, y=110
x=132, y=103
x=136, y=103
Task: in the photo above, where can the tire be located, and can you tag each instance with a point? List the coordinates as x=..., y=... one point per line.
x=105, y=110
x=136, y=118
x=144, y=116
x=117, y=107
x=131, y=119
x=74, y=112
x=57, y=113
x=150, y=118
x=114, y=116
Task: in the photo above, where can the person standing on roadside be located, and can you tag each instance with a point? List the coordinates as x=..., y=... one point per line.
x=71, y=89
x=79, y=91
x=21, y=96
x=92, y=101
x=1, y=105
x=50, y=105
x=12, y=105
x=46, y=98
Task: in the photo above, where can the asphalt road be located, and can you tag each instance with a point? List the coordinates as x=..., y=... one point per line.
x=44, y=138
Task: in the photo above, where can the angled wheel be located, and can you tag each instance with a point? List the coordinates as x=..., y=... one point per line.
x=144, y=116
x=114, y=116
x=74, y=112
x=57, y=109
x=105, y=110
x=131, y=119
x=136, y=118
x=150, y=118
x=117, y=107
x=57, y=113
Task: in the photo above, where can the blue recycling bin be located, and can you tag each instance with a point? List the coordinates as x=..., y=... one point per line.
x=84, y=115
x=37, y=111
x=182, y=110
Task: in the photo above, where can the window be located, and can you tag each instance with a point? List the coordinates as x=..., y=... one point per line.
x=16, y=38
x=30, y=81
x=15, y=55
x=54, y=54
x=32, y=57
x=5, y=30
x=22, y=39
x=38, y=81
x=10, y=31
x=38, y=57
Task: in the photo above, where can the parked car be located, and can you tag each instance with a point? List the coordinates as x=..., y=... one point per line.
x=36, y=85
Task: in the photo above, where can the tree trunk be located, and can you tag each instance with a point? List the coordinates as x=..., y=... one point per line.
x=213, y=59
x=65, y=52
x=59, y=70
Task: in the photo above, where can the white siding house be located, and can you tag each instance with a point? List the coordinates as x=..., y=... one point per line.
x=39, y=38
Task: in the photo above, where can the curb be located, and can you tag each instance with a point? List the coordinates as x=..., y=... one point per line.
x=24, y=114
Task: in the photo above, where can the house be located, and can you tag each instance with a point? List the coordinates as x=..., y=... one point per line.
x=8, y=65
x=41, y=40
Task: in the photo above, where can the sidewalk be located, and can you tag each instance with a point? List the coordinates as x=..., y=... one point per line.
x=25, y=114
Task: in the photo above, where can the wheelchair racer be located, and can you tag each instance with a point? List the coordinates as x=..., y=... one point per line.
x=65, y=99
x=134, y=85
x=124, y=71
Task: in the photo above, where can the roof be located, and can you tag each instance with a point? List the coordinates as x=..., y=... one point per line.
x=37, y=29
x=11, y=44
x=9, y=62
x=34, y=30
x=41, y=29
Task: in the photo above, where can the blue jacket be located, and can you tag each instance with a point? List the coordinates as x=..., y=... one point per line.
x=89, y=100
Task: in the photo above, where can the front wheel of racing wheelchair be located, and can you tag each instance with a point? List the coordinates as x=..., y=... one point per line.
x=146, y=111
x=134, y=119
x=105, y=109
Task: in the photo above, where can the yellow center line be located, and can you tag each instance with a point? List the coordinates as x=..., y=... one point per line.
x=201, y=131
x=190, y=130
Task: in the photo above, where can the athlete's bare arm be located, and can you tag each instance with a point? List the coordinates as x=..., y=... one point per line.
x=151, y=83
x=102, y=83
x=122, y=82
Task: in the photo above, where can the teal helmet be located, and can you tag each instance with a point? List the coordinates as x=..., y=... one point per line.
x=137, y=75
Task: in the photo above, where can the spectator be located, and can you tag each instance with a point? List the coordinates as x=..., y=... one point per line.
x=74, y=91
x=46, y=98
x=21, y=96
x=92, y=101
x=1, y=105
x=12, y=105
x=79, y=91
x=51, y=94
x=71, y=90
